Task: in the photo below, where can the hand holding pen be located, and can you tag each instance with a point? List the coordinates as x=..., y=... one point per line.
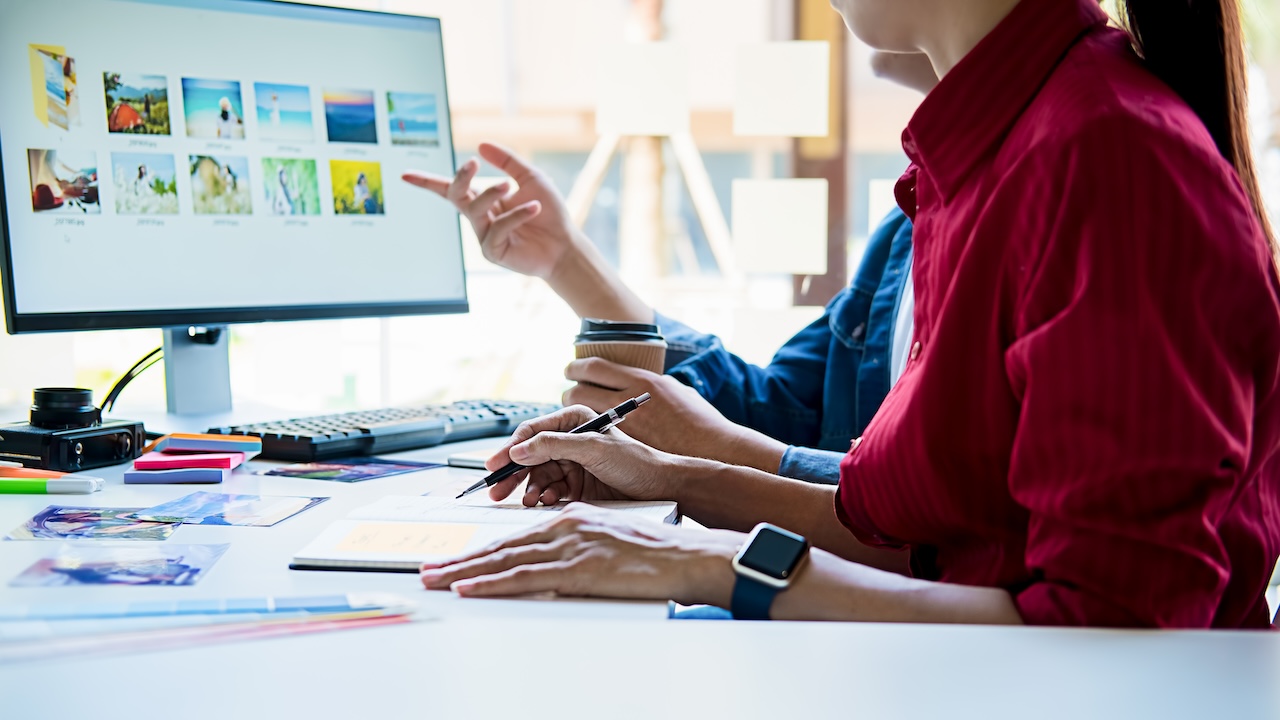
x=600, y=423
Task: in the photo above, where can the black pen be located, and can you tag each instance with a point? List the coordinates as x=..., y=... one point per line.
x=600, y=423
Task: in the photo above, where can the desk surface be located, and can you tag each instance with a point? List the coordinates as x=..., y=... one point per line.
x=469, y=668
x=257, y=562
x=542, y=658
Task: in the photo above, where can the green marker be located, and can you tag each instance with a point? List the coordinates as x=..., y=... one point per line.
x=82, y=485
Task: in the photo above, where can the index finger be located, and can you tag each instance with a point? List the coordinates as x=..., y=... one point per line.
x=605, y=373
x=505, y=160
x=435, y=183
x=562, y=420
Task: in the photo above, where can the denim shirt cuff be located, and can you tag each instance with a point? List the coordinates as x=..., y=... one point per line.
x=821, y=467
x=683, y=342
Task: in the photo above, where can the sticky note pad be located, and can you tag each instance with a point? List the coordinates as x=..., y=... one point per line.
x=782, y=88
x=780, y=226
x=171, y=461
x=643, y=89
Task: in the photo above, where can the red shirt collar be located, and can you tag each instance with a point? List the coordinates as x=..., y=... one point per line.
x=974, y=106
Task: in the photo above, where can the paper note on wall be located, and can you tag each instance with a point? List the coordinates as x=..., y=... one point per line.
x=780, y=226
x=407, y=538
x=643, y=89
x=782, y=88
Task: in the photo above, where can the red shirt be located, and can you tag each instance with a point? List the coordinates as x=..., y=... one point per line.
x=1090, y=416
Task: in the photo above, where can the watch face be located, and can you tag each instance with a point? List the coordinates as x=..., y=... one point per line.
x=774, y=552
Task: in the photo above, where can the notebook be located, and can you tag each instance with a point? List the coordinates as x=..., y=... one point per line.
x=400, y=532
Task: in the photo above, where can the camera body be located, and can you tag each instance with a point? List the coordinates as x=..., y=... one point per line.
x=66, y=434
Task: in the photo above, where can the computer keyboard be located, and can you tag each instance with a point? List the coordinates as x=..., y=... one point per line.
x=370, y=432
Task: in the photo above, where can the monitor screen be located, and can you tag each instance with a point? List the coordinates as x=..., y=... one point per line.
x=200, y=162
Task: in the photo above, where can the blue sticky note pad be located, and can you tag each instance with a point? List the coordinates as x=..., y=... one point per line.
x=176, y=475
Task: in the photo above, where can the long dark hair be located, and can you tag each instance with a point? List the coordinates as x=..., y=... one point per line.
x=1197, y=48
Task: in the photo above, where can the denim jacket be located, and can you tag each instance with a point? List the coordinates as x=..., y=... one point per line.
x=823, y=386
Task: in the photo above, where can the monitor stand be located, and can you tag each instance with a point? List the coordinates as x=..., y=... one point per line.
x=197, y=371
x=197, y=378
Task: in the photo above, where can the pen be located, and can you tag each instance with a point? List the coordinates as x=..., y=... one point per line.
x=600, y=423
x=82, y=485
x=25, y=472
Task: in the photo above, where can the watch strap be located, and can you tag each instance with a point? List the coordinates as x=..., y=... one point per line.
x=752, y=599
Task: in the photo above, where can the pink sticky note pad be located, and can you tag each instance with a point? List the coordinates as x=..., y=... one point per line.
x=170, y=461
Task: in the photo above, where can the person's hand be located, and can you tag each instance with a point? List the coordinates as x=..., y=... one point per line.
x=596, y=552
x=585, y=466
x=528, y=231
x=675, y=420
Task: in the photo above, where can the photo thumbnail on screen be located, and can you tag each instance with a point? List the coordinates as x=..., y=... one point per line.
x=213, y=109
x=136, y=104
x=64, y=181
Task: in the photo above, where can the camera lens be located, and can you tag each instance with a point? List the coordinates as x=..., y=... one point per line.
x=63, y=408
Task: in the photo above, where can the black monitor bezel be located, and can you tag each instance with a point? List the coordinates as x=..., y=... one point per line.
x=19, y=323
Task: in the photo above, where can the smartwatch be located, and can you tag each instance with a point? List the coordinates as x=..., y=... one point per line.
x=765, y=566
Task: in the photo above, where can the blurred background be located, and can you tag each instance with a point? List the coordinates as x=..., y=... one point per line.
x=656, y=142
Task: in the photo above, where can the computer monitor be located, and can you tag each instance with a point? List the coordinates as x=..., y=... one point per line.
x=192, y=163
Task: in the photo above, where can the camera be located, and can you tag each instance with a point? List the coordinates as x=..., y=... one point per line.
x=66, y=433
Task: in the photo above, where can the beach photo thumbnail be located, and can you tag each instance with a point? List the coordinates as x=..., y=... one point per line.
x=64, y=181
x=349, y=116
x=220, y=185
x=213, y=109
x=144, y=183
x=136, y=103
x=55, y=95
x=290, y=186
x=357, y=187
x=412, y=119
x=284, y=112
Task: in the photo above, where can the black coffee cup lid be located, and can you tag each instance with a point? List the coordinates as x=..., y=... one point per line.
x=596, y=330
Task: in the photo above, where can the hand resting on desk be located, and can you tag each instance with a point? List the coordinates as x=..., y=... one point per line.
x=590, y=551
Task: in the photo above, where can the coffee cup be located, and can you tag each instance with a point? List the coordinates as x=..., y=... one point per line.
x=639, y=345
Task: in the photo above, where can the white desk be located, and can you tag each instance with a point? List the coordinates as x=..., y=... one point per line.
x=469, y=668
x=257, y=562
x=531, y=658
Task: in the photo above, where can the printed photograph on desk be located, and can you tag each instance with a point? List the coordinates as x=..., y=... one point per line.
x=350, y=117
x=349, y=470
x=160, y=564
x=284, y=112
x=220, y=185
x=213, y=109
x=291, y=186
x=60, y=522
x=205, y=508
x=412, y=119
x=137, y=104
x=55, y=92
x=357, y=187
x=144, y=183
x=64, y=182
